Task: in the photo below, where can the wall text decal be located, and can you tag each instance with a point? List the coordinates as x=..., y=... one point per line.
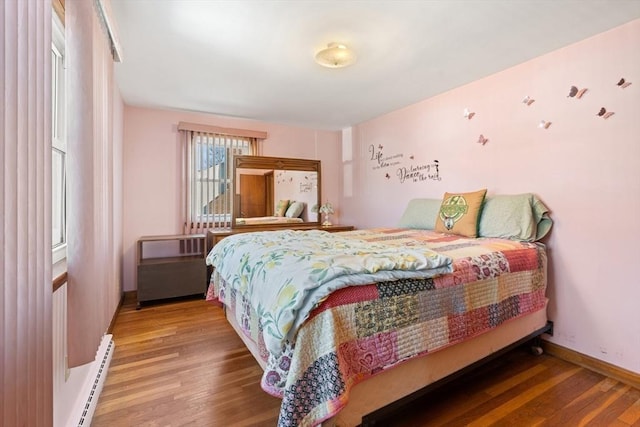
x=411, y=173
x=380, y=160
x=419, y=173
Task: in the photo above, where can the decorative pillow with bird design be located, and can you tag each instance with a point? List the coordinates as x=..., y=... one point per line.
x=459, y=213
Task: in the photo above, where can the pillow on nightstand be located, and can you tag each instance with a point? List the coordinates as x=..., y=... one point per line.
x=459, y=213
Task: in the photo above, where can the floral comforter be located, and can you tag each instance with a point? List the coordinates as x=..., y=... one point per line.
x=357, y=331
x=286, y=273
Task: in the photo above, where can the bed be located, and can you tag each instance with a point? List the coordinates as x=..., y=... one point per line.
x=345, y=324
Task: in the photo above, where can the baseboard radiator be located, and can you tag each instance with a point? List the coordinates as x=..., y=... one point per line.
x=96, y=379
x=81, y=395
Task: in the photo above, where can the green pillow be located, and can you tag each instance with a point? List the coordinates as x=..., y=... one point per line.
x=517, y=217
x=420, y=214
x=294, y=210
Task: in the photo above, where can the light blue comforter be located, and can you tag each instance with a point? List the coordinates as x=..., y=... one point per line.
x=286, y=273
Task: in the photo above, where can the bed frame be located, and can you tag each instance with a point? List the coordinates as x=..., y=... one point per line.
x=378, y=396
x=372, y=418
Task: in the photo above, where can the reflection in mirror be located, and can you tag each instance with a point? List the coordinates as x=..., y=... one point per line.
x=275, y=191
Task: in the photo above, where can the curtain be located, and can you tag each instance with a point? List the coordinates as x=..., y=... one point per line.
x=25, y=209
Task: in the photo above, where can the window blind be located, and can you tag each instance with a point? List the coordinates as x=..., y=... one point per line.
x=209, y=178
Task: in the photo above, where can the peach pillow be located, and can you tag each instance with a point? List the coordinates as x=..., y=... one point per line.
x=459, y=213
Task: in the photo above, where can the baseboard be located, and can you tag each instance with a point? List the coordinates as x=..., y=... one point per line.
x=115, y=314
x=593, y=364
x=88, y=400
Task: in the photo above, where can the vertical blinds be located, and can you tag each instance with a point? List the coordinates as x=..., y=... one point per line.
x=94, y=174
x=209, y=201
x=25, y=208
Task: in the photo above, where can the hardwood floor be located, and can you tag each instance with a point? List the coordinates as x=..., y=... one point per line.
x=180, y=363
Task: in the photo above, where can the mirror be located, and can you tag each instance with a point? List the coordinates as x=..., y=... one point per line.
x=265, y=189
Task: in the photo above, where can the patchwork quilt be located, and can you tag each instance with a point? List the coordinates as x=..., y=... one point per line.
x=354, y=332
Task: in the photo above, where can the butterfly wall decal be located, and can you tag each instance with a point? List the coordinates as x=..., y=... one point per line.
x=528, y=100
x=604, y=113
x=544, y=124
x=411, y=157
x=468, y=114
x=386, y=175
x=482, y=140
x=574, y=92
x=623, y=83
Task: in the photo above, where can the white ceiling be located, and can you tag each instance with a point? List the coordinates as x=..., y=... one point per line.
x=255, y=59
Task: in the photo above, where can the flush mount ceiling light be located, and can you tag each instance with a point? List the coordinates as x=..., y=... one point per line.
x=335, y=55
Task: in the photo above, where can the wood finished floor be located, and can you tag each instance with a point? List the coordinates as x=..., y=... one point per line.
x=181, y=364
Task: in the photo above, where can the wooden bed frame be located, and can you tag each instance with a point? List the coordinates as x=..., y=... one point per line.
x=385, y=392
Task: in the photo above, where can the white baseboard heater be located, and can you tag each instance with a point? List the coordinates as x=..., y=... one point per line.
x=95, y=380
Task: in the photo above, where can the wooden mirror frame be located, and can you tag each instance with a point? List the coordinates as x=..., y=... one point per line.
x=276, y=164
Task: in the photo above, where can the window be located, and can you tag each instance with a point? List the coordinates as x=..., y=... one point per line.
x=211, y=176
x=59, y=143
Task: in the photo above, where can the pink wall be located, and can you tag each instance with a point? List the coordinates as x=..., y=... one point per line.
x=153, y=165
x=585, y=168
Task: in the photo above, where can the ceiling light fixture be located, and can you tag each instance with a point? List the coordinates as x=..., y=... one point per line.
x=335, y=55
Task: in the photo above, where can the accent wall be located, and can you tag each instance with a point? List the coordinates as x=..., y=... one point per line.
x=583, y=162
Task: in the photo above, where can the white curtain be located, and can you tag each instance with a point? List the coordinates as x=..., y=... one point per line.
x=25, y=209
